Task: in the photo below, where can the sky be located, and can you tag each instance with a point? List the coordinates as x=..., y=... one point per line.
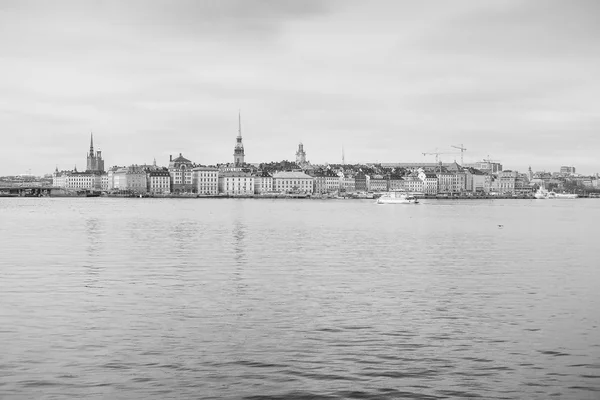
x=513, y=81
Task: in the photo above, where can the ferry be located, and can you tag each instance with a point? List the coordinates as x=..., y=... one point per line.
x=397, y=198
x=542, y=193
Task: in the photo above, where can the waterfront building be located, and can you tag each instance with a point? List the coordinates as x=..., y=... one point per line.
x=449, y=182
x=413, y=184
x=293, y=182
x=104, y=182
x=263, y=183
x=158, y=181
x=180, y=169
x=95, y=163
x=326, y=184
x=396, y=183
x=430, y=182
x=74, y=180
x=236, y=183
x=378, y=183
x=206, y=180
x=506, y=182
x=347, y=184
x=238, y=151
x=135, y=178
x=360, y=182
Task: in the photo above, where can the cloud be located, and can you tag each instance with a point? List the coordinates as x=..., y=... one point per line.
x=387, y=79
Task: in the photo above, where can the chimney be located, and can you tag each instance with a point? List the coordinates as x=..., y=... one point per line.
x=170, y=158
x=180, y=155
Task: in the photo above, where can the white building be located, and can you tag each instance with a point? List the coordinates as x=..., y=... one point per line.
x=206, y=180
x=236, y=183
x=158, y=181
x=73, y=180
x=292, y=182
x=263, y=184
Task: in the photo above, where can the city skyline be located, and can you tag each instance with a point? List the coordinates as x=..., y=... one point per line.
x=515, y=81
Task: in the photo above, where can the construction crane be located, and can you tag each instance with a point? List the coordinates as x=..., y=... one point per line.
x=490, y=162
x=462, y=150
x=437, y=157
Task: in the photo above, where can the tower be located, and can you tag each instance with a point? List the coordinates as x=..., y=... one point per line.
x=300, y=155
x=343, y=157
x=94, y=160
x=238, y=151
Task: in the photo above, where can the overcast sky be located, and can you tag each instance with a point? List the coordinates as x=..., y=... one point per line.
x=517, y=81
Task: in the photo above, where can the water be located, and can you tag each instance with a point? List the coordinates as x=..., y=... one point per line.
x=298, y=299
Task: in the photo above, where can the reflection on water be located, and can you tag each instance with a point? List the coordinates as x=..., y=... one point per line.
x=149, y=298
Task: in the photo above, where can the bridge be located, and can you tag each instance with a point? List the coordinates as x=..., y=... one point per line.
x=27, y=191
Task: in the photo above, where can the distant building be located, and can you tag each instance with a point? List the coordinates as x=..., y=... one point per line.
x=348, y=184
x=206, y=180
x=326, y=184
x=292, y=182
x=180, y=169
x=95, y=163
x=238, y=151
x=430, y=182
x=489, y=167
x=158, y=181
x=301, y=155
x=263, y=183
x=74, y=180
x=567, y=170
x=378, y=184
x=236, y=183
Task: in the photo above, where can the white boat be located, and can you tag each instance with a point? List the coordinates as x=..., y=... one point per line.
x=397, y=198
x=542, y=193
x=565, y=195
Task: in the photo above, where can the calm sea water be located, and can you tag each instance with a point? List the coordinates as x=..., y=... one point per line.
x=299, y=299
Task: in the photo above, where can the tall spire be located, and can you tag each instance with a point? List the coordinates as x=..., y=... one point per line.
x=238, y=152
x=343, y=156
x=91, y=144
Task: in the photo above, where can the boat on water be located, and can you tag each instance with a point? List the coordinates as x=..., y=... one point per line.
x=397, y=198
x=543, y=193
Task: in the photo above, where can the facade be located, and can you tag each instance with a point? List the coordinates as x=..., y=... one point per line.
x=506, y=182
x=263, y=184
x=430, y=182
x=565, y=170
x=180, y=170
x=377, y=183
x=238, y=151
x=292, y=182
x=73, y=180
x=326, y=184
x=448, y=183
x=396, y=184
x=158, y=181
x=236, y=183
x=360, y=183
x=95, y=163
x=413, y=184
x=206, y=180
x=136, y=180
x=301, y=155
x=489, y=167
x=348, y=184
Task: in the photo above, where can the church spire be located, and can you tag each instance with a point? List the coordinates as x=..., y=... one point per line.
x=238, y=151
x=91, y=144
